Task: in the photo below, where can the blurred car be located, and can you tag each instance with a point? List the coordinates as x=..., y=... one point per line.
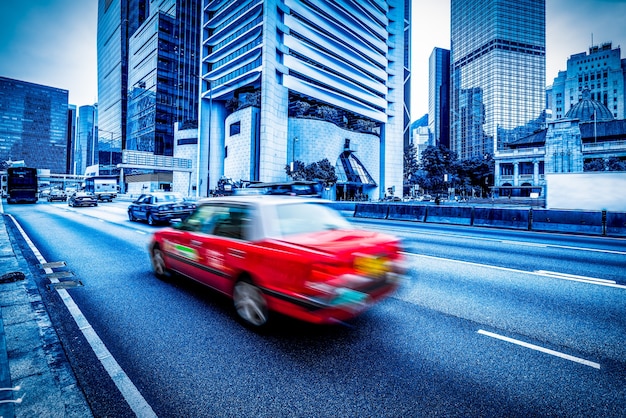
x=290, y=188
x=297, y=257
x=160, y=207
x=57, y=195
x=82, y=199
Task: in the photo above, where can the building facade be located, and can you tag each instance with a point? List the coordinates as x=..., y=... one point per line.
x=117, y=22
x=163, y=76
x=601, y=70
x=286, y=81
x=34, y=125
x=439, y=97
x=85, y=145
x=587, y=135
x=497, y=73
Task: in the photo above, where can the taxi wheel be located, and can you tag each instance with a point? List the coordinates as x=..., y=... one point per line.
x=131, y=217
x=250, y=303
x=158, y=263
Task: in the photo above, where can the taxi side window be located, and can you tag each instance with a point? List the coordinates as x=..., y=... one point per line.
x=233, y=222
x=202, y=220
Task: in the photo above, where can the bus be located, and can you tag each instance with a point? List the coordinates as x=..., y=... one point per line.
x=22, y=185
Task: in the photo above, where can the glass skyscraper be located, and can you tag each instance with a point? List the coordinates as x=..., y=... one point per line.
x=117, y=21
x=497, y=73
x=163, y=83
x=86, y=134
x=439, y=97
x=34, y=125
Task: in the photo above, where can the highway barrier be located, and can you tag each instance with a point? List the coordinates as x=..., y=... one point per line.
x=371, y=210
x=457, y=215
x=567, y=221
x=546, y=220
x=615, y=224
x=502, y=218
x=407, y=212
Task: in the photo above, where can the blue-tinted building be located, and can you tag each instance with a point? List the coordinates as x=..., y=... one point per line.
x=34, y=125
x=117, y=21
x=86, y=145
x=163, y=74
x=287, y=81
x=497, y=73
x=439, y=97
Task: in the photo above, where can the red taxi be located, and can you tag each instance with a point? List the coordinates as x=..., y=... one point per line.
x=295, y=256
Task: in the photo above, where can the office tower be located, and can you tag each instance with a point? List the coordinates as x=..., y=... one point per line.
x=163, y=83
x=71, y=138
x=86, y=146
x=287, y=81
x=117, y=21
x=439, y=97
x=34, y=125
x=497, y=73
x=602, y=71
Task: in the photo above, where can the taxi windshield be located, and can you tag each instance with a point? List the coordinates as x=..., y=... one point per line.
x=302, y=218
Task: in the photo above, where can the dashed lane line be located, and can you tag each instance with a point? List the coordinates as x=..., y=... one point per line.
x=540, y=349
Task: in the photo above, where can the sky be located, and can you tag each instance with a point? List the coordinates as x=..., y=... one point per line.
x=53, y=42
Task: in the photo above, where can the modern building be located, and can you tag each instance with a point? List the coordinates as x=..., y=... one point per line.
x=34, y=125
x=497, y=73
x=117, y=21
x=86, y=145
x=149, y=71
x=588, y=136
x=286, y=81
x=439, y=97
x=602, y=71
x=71, y=138
x=163, y=70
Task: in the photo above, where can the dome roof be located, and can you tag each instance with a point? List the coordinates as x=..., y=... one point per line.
x=586, y=108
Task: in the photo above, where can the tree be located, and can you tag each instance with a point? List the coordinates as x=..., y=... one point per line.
x=321, y=171
x=439, y=167
x=411, y=165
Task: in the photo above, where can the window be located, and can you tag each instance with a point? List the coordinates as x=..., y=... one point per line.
x=235, y=128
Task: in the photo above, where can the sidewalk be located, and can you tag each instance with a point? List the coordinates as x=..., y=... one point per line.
x=36, y=379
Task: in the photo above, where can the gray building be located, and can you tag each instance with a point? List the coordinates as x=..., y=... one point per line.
x=34, y=125
x=287, y=81
x=601, y=70
x=439, y=97
x=497, y=73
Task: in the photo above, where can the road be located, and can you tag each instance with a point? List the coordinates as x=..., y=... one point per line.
x=488, y=323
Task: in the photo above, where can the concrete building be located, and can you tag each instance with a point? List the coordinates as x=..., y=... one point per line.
x=34, y=125
x=601, y=70
x=439, y=97
x=288, y=80
x=497, y=73
x=588, y=132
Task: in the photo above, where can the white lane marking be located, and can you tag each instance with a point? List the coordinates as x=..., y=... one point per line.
x=566, y=276
x=540, y=273
x=523, y=243
x=128, y=389
x=541, y=349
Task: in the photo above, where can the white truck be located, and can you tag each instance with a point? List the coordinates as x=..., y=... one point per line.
x=105, y=188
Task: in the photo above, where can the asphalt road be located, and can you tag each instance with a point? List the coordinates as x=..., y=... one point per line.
x=488, y=323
